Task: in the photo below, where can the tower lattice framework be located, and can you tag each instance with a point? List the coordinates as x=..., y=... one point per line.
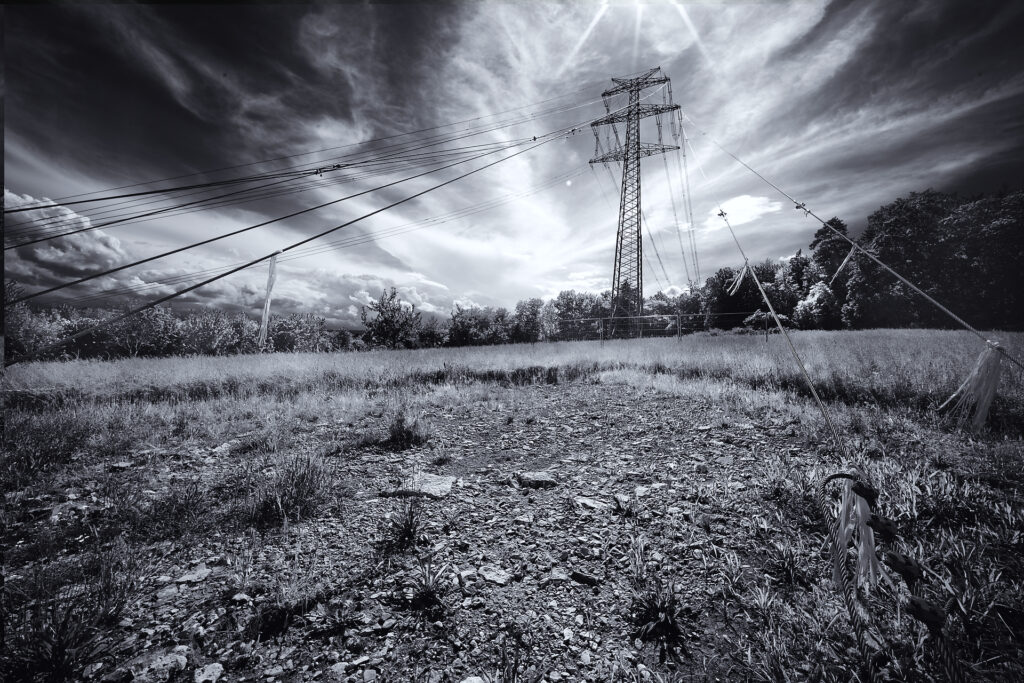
x=628, y=274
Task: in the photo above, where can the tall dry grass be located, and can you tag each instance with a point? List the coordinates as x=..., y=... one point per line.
x=875, y=365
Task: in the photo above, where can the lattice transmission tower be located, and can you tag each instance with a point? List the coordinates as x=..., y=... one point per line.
x=628, y=274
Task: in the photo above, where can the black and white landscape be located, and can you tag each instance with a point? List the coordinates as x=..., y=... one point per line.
x=539, y=341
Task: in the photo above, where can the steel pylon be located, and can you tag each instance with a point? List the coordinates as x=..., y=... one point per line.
x=628, y=274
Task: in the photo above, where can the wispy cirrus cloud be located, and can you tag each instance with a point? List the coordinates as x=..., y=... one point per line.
x=845, y=105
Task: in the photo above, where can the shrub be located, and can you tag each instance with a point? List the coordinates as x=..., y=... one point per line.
x=427, y=588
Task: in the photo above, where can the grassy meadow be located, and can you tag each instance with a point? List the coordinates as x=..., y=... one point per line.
x=712, y=552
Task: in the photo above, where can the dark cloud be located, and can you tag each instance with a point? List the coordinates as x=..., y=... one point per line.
x=846, y=104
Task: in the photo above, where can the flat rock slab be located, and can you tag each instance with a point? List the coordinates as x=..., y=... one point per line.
x=585, y=578
x=558, y=576
x=537, y=480
x=423, y=484
x=590, y=503
x=209, y=673
x=495, y=575
x=197, y=575
x=159, y=667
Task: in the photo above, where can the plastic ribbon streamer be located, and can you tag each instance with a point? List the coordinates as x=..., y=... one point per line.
x=265, y=322
x=842, y=265
x=975, y=395
x=735, y=286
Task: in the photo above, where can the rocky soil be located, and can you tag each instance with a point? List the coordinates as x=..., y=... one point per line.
x=530, y=509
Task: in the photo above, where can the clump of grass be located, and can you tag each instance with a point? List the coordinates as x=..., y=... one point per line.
x=638, y=560
x=54, y=623
x=627, y=506
x=183, y=509
x=295, y=589
x=406, y=433
x=787, y=561
x=35, y=443
x=442, y=458
x=515, y=655
x=428, y=587
x=398, y=532
x=299, y=486
x=659, y=616
x=334, y=618
x=404, y=529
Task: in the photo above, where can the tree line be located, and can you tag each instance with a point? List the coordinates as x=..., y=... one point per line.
x=965, y=252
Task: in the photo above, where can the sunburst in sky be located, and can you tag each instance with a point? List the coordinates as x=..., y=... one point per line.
x=847, y=105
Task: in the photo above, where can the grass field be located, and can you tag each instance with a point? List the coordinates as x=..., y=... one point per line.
x=237, y=512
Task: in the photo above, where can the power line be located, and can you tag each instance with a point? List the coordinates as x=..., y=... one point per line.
x=355, y=240
x=325, y=149
x=207, y=281
x=803, y=207
x=549, y=138
x=239, y=231
x=361, y=163
x=433, y=141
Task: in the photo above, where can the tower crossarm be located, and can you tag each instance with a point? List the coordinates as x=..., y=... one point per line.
x=647, y=149
x=642, y=111
x=652, y=77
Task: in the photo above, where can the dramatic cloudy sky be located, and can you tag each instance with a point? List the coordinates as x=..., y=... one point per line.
x=845, y=105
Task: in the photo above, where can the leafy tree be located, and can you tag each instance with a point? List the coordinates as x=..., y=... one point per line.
x=907, y=235
x=26, y=332
x=576, y=315
x=393, y=325
x=829, y=249
x=659, y=304
x=819, y=310
x=759, y=320
x=431, y=333
x=526, y=321
x=626, y=302
x=723, y=310
x=299, y=332
x=469, y=326
x=986, y=250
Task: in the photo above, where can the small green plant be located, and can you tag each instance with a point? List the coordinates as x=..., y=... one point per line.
x=638, y=559
x=659, y=616
x=427, y=587
x=400, y=531
x=442, y=458
x=786, y=561
x=334, y=619
x=763, y=602
x=37, y=442
x=241, y=565
x=515, y=655
x=627, y=506
x=183, y=509
x=407, y=526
